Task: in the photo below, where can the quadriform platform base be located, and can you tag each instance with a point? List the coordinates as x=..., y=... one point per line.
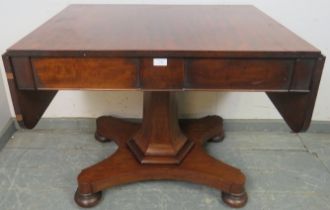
x=160, y=148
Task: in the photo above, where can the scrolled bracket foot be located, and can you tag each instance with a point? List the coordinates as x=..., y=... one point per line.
x=100, y=138
x=235, y=200
x=87, y=200
x=218, y=138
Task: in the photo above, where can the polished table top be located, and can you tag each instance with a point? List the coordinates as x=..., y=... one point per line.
x=163, y=30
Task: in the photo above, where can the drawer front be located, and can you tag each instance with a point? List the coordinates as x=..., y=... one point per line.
x=240, y=74
x=88, y=73
x=169, y=76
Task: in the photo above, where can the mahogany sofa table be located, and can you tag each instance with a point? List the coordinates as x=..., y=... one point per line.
x=161, y=50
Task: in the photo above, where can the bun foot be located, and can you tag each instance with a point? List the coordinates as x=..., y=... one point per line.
x=87, y=200
x=218, y=138
x=100, y=138
x=235, y=200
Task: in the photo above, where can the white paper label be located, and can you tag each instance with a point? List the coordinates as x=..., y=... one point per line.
x=160, y=61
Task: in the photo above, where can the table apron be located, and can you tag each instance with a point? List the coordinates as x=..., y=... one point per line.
x=122, y=73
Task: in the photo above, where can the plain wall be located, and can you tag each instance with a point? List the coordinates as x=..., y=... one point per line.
x=309, y=19
x=4, y=108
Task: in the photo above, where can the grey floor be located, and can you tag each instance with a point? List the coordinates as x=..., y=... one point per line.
x=38, y=170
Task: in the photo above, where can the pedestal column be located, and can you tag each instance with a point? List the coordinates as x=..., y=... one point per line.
x=159, y=139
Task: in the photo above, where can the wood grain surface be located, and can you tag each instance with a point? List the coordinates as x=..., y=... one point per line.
x=180, y=30
x=207, y=48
